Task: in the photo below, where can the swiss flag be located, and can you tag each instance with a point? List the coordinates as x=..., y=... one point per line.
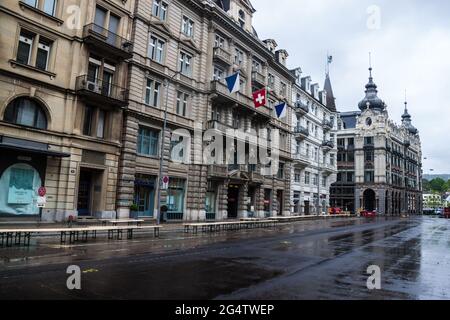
x=260, y=98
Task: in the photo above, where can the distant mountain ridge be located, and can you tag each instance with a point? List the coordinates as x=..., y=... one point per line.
x=445, y=177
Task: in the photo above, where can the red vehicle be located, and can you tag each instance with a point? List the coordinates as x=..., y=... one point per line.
x=447, y=213
x=368, y=214
x=335, y=210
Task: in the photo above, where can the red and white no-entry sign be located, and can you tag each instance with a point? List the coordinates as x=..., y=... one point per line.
x=42, y=191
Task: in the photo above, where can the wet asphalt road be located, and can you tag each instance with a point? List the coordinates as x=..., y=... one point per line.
x=324, y=259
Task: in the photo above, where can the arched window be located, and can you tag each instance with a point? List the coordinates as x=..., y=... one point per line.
x=27, y=112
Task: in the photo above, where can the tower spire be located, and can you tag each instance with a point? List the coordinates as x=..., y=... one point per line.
x=370, y=65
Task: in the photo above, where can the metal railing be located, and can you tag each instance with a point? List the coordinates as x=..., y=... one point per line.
x=222, y=54
x=107, y=37
x=101, y=87
x=300, y=107
x=300, y=130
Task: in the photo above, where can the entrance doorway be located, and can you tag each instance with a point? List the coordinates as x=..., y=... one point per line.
x=251, y=208
x=307, y=208
x=280, y=202
x=369, y=200
x=233, y=202
x=145, y=195
x=84, y=193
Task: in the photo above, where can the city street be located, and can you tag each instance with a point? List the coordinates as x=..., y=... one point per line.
x=324, y=259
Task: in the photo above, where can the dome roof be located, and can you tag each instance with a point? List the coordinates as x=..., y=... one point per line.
x=406, y=120
x=371, y=99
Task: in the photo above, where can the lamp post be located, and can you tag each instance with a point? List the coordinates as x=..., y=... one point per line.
x=161, y=149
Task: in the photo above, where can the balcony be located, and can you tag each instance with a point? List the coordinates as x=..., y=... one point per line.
x=224, y=96
x=301, y=133
x=217, y=172
x=217, y=125
x=101, y=92
x=221, y=55
x=327, y=125
x=329, y=168
x=256, y=177
x=328, y=145
x=258, y=78
x=302, y=160
x=301, y=108
x=107, y=43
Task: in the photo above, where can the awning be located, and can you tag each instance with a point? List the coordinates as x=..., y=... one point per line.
x=30, y=146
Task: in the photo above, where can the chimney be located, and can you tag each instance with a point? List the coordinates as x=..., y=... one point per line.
x=323, y=97
x=281, y=56
x=306, y=83
x=315, y=91
x=271, y=45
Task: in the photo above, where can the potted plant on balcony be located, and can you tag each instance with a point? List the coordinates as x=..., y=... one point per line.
x=134, y=211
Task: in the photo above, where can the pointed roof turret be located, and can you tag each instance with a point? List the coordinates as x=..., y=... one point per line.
x=406, y=120
x=331, y=100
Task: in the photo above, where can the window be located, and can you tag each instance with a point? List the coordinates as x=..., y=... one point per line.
x=271, y=80
x=47, y=6
x=315, y=179
x=350, y=177
x=152, y=91
x=94, y=122
x=324, y=181
x=87, y=122
x=219, y=74
x=43, y=54
x=160, y=9
x=188, y=27
x=26, y=112
x=24, y=48
x=219, y=42
x=307, y=178
x=242, y=18
x=238, y=57
x=297, y=176
x=280, y=174
x=182, y=102
x=148, y=141
x=185, y=64
x=283, y=90
x=369, y=177
x=175, y=198
x=368, y=140
x=156, y=49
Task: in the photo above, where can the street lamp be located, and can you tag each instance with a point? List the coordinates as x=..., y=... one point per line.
x=161, y=149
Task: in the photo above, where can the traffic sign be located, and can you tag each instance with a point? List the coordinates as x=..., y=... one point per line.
x=42, y=191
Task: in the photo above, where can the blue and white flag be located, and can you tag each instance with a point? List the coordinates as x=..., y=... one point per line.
x=234, y=82
x=281, y=110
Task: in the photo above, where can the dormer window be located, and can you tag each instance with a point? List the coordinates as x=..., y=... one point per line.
x=242, y=18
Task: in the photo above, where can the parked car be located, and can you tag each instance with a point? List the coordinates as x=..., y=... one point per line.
x=368, y=214
x=438, y=212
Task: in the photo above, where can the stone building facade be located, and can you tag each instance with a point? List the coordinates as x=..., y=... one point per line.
x=379, y=162
x=63, y=77
x=314, y=145
x=183, y=52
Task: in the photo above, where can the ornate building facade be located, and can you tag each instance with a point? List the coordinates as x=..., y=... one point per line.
x=63, y=75
x=379, y=162
x=314, y=146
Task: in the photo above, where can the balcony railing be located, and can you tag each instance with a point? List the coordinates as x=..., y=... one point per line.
x=218, y=171
x=105, y=39
x=258, y=77
x=301, y=108
x=301, y=132
x=221, y=89
x=256, y=177
x=328, y=144
x=327, y=124
x=101, y=90
x=302, y=158
x=222, y=55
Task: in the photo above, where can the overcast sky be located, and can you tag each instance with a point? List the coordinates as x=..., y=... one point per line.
x=410, y=46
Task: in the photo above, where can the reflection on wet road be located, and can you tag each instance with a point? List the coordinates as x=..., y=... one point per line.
x=307, y=260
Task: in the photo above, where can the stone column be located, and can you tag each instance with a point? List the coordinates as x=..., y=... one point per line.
x=243, y=195
x=127, y=166
x=222, y=210
x=196, y=193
